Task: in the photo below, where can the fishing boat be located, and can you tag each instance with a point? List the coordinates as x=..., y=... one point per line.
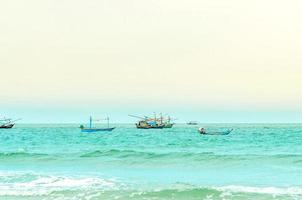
x=192, y=123
x=153, y=123
x=203, y=131
x=7, y=123
x=91, y=129
x=148, y=125
x=168, y=125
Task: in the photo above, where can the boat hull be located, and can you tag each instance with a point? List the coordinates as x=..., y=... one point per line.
x=92, y=130
x=168, y=125
x=150, y=127
x=192, y=123
x=216, y=133
x=7, y=126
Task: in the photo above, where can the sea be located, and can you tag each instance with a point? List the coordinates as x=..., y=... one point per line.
x=58, y=162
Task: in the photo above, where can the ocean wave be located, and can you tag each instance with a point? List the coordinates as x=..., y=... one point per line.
x=132, y=157
x=31, y=185
x=20, y=154
x=261, y=190
x=219, y=193
x=124, y=154
x=197, y=156
x=36, y=185
x=145, y=154
x=94, y=188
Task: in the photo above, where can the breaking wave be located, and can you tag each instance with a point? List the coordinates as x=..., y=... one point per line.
x=92, y=188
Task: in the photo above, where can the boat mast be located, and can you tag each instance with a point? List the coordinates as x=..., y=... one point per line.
x=161, y=118
x=90, y=122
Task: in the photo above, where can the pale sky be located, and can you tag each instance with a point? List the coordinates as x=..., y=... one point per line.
x=214, y=61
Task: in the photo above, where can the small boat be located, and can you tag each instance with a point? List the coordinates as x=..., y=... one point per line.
x=91, y=129
x=7, y=123
x=204, y=132
x=192, y=123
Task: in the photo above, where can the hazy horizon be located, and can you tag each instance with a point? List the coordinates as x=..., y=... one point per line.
x=210, y=61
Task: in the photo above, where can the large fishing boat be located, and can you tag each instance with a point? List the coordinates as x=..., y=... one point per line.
x=6, y=123
x=153, y=123
x=91, y=129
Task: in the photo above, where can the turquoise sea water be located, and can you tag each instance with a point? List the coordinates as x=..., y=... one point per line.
x=256, y=161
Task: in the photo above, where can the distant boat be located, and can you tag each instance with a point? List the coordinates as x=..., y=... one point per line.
x=91, y=129
x=6, y=123
x=204, y=132
x=192, y=123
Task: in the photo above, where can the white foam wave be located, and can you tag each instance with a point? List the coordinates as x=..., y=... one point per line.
x=261, y=190
x=24, y=184
x=43, y=185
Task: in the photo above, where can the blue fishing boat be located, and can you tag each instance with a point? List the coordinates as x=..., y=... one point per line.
x=92, y=129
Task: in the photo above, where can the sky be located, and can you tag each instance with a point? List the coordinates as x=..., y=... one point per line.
x=211, y=61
